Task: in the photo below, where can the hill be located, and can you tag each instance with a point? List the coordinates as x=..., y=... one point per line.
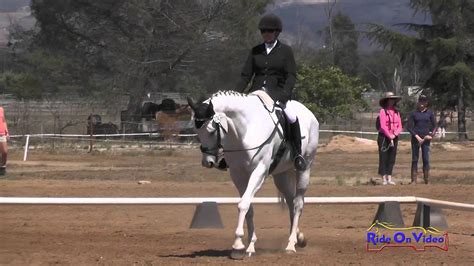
x=308, y=18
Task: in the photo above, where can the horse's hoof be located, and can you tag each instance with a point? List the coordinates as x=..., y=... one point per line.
x=237, y=254
x=302, y=242
x=290, y=251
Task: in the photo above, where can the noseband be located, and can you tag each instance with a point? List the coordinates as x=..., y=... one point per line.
x=217, y=126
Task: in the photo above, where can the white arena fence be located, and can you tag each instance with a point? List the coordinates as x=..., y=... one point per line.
x=226, y=200
x=353, y=132
x=97, y=137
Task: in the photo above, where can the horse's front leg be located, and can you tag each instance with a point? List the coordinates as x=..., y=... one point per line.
x=255, y=182
x=302, y=182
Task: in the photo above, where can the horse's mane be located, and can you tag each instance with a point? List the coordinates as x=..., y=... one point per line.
x=228, y=93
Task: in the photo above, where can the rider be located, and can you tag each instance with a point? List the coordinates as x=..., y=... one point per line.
x=273, y=69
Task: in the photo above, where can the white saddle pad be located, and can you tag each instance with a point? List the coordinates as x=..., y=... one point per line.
x=266, y=99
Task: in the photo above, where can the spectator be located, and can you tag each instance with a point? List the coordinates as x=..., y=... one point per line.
x=4, y=136
x=421, y=125
x=387, y=140
x=442, y=125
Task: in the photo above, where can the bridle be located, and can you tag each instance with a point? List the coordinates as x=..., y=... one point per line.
x=217, y=127
x=218, y=147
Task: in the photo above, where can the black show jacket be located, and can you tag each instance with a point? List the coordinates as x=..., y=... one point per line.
x=275, y=71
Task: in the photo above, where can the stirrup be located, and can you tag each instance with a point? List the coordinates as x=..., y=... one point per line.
x=300, y=163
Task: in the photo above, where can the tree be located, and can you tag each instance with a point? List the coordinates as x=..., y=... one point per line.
x=119, y=47
x=377, y=70
x=342, y=37
x=329, y=93
x=444, y=48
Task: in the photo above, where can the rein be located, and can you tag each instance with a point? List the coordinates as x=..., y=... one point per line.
x=216, y=124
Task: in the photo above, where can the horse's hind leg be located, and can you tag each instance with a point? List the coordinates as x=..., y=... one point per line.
x=251, y=231
x=285, y=182
x=302, y=182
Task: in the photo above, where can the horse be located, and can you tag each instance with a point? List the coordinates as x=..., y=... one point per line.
x=95, y=126
x=167, y=116
x=250, y=136
x=149, y=110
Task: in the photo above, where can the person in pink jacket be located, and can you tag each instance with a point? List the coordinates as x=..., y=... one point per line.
x=4, y=135
x=390, y=129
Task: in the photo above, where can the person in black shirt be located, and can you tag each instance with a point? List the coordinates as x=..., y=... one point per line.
x=271, y=67
x=421, y=125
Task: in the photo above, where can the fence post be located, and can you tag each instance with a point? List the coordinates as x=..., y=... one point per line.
x=26, y=147
x=91, y=127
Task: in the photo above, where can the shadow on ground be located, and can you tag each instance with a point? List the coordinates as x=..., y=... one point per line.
x=203, y=253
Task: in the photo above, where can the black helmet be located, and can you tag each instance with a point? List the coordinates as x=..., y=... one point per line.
x=271, y=22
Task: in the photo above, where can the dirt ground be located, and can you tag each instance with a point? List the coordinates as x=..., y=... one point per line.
x=160, y=235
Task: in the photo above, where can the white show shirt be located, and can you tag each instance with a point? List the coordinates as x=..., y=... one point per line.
x=270, y=46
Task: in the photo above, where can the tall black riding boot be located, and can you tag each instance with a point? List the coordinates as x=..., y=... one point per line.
x=299, y=161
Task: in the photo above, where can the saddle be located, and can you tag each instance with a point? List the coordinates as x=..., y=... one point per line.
x=271, y=107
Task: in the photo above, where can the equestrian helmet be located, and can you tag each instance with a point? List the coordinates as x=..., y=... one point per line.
x=270, y=21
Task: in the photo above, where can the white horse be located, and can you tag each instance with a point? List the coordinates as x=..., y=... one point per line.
x=250, y=138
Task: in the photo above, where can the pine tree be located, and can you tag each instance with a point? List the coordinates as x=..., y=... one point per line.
x=445, y=48
x=344, y=41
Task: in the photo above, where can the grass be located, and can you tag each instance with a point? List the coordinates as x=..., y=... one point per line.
x=340, y=180
x=358, y=183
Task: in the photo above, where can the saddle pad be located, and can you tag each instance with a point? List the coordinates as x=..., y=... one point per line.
x=266, y=99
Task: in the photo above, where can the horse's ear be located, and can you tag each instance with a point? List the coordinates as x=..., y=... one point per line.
x=191, y=103
x=210, y=110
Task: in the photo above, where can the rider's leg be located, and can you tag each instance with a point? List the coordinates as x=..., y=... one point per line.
x=295, y=137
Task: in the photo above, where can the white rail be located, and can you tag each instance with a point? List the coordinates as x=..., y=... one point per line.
x=224, y=200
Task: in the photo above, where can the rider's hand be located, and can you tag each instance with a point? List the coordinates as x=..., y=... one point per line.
x=428, y=137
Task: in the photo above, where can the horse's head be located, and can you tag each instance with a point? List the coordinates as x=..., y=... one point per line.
x=208, y=128
x=149, y=110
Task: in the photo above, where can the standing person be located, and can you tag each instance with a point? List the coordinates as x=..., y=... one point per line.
x=271, y=67
x=4, y=135
x=387, y=140
x=421, y=125
x=442, y=125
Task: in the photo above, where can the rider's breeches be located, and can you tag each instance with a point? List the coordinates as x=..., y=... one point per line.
x=290, y=113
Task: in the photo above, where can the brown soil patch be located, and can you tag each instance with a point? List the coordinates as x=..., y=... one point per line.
x=160, y=235
x=350, y=144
